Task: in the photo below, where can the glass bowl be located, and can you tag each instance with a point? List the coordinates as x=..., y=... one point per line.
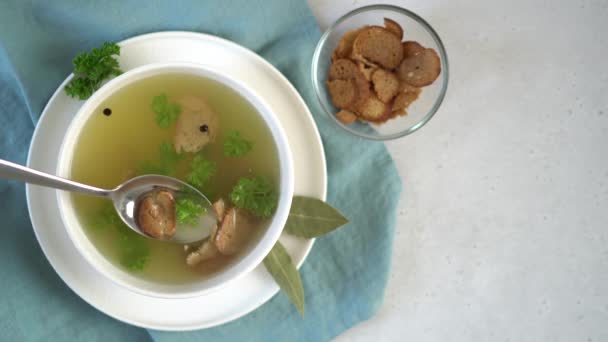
x=416, y=29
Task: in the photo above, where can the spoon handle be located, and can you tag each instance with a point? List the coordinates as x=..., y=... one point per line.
x=18, y=172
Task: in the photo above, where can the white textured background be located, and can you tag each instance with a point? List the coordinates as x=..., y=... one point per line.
x=503, y=229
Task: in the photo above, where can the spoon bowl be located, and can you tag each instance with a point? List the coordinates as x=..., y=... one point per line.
x=127, y=198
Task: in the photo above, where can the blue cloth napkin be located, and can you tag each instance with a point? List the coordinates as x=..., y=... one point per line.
x=346, y=272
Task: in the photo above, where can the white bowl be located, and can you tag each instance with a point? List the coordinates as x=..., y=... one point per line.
x=248, y=261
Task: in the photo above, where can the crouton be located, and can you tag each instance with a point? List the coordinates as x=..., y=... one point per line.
x=375, y=77
x=378, y=45
x=345, y=45
x=342, y=69
x=400, y=112
x=393, y=27
x=346, y=117
x=420, y=68
x=410, y=48
x=366, y=69
x=386, y=84
x=405, y=87
x=342, y=92
x=363, y=91
x=403, y=100
x=374, y=110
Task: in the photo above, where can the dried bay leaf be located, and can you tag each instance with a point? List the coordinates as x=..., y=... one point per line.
x=285, y=274
x=310, y=217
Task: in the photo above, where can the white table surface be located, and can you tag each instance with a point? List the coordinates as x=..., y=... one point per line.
x=502, y=233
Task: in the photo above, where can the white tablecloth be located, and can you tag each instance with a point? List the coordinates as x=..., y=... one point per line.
x=503, y=231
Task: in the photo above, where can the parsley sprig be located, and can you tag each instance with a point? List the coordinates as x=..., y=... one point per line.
x=167, y=165
x=255, y=194
x=236, y=146
x=132, y=251
x=169, y=158
x=202, y=170
x=92, y=68
x=166, y=112
x=188, y=210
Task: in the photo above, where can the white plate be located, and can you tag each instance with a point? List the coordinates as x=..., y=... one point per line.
x=237, y=298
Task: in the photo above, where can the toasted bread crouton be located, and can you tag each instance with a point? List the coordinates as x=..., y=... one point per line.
x=342, y=69
x=393, y=27
x=410, y=48
x=346, y=117
x=378, y=45
x=403, y=100
x=386, y=84
x=366, y=69
x=364, y=91
x=342, y=93
x=420, y=68
x=366, y=62
x=345, y=46
x=405, y=87
x=399, y=112
x=197, y=125
x=374, y=110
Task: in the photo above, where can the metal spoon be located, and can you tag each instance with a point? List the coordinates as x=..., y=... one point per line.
x=125, y=197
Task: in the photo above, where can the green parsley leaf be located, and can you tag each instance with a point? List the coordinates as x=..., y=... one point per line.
x=255, y=194
x=133, y=249
x=166, y=112
x=167, y=165
x=236, y=146
x=92, y=68
x=189, y=192
x=169, y=158
x=188, y=210
x=149, y=168
x=202, y=170
x=105, y=217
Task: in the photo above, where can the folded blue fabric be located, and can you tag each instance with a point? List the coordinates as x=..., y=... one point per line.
x=346, y=272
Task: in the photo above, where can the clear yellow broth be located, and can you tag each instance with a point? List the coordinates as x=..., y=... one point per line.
x=112, y=148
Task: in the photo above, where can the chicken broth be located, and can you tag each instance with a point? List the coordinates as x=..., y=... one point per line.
x=185, y=126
